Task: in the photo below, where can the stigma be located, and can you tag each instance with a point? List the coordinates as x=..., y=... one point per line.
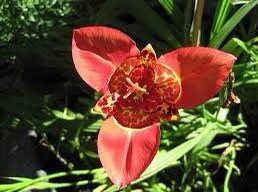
x=134, y=88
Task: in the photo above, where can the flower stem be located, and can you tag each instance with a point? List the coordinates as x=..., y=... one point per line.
x=197, y=22
x=229, y=172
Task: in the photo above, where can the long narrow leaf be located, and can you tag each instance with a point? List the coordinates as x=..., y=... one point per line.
x=220, y=16
x=173, y=10
x=218, y=39
x=27, y=183
x=47, y=185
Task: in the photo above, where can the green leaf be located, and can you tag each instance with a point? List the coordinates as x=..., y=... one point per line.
x=40, y=183
x=94, y=127
x=221, y=13
x=222, y=34
x=66, y=114
x=232, y=47
x=48, y=185
x=206, y=139
x=237, y=46
x=173, y=10
x=236, y=2
x=6, y=187
x=17, y=178
x=91, y=154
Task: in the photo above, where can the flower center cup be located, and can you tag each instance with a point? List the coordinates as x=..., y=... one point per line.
x=147, y=90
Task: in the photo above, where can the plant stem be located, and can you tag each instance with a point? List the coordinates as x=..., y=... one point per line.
x=229, y=172
x=197, y=22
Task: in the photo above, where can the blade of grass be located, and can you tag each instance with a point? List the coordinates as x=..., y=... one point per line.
x=218, y=39
x=17, y=178
x=232, y=47
x=26, y=183
x=205, y=141
x=221, y=13
x=46, y=185
x=173, y=10
x=6, y=187
x=236, y=2
x=239, y=45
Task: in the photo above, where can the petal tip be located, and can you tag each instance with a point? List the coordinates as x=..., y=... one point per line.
x=124, y=152
x=149, y=48
x=234, y=58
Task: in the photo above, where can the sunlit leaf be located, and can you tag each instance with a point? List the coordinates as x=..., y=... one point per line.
x=221, y=13
x=218, y=39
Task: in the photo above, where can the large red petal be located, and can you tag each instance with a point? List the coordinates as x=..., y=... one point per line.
x=97, y=51
x=202, y=71
x=125, y=153
x=93, y=69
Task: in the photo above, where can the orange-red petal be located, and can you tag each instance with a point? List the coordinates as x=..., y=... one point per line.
x=97, y=51
x=125, y=153
x=202, y=71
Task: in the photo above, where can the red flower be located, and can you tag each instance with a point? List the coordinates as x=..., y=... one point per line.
x=139, y=90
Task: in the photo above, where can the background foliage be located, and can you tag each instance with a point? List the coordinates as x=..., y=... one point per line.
x=48, y=134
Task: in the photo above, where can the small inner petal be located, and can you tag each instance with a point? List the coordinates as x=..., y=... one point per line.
x=105, y=104
x=148, y=56
x=135, y=117
x=168, y=84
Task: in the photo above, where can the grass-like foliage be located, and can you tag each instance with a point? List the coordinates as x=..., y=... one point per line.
x=211, y=148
